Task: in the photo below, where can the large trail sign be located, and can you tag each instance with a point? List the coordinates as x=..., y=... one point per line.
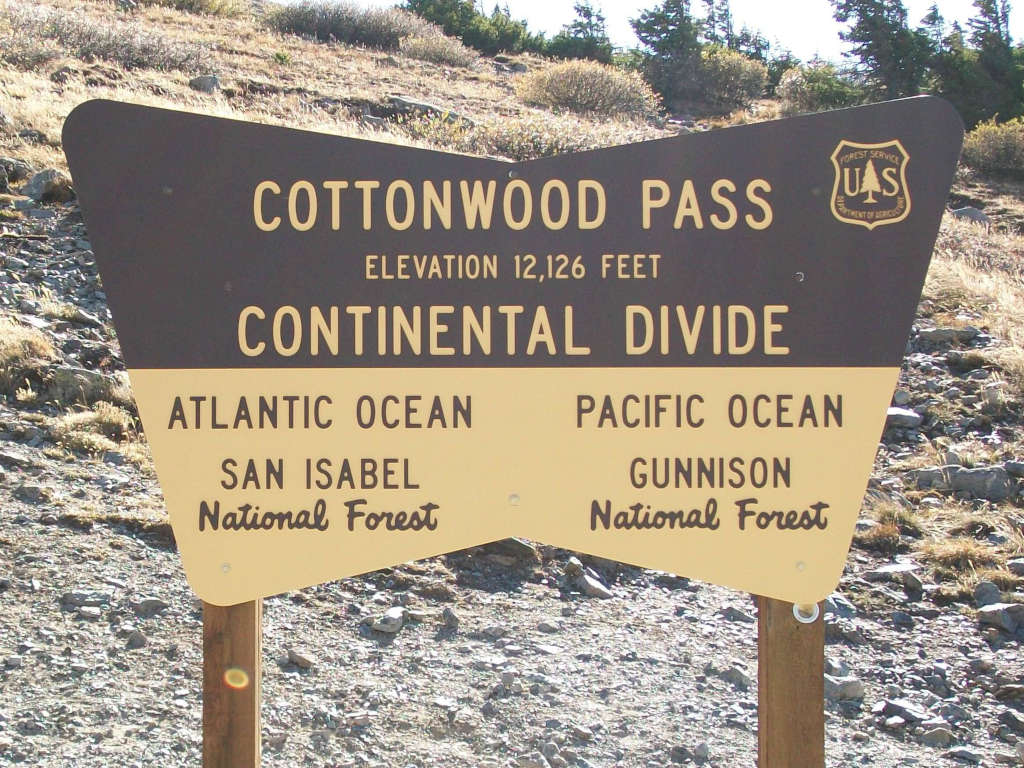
x=349, y=354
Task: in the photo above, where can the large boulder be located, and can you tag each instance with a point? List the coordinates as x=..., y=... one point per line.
x=16, y=170
x=991, y=483
x=50, y=186
x=205, y=83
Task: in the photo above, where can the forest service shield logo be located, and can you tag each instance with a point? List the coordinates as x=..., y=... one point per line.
x=871, y=183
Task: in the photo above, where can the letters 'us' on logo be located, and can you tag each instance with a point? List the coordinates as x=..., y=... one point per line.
x=870, y=186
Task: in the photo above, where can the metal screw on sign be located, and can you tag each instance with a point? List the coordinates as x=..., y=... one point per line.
x=806, y=614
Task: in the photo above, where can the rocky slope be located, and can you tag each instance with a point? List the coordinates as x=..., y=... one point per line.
x=512, y=654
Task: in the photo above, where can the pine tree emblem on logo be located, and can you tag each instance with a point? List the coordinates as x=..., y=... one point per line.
x=871, y=183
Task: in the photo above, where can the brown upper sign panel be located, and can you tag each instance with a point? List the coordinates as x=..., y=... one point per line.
x=195, y=219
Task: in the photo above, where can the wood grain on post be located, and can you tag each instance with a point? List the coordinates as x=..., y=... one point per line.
x=791, y=687
x=232, y=641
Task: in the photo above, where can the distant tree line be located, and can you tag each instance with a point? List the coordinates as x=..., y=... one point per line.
x=693, y=54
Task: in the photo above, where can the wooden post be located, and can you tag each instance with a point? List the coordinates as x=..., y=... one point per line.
x=791, y=687
x=232, y=641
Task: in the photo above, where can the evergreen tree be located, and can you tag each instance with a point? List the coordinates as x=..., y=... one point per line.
x=489, y=35
x=586, y=37
x=671, y=39
x=893, y=57
x=933, y=29
x=956, y=36
x=990, y=35
x=990, y=28
x=669, y=30
x=751, y=43
x=716, y=28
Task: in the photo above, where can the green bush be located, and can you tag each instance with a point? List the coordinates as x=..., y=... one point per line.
x=129, y=45
x=996, y=148
x=817, y=88
x=344, y=22
x=589, y=87
x=439, y=49
x=729, y=78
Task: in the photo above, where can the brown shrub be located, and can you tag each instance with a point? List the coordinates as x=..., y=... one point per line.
x=588, y=87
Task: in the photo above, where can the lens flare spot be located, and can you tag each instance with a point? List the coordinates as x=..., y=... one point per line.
x=236, y=678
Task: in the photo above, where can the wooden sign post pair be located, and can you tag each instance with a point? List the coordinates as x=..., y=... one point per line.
x=791, y=715
x=676, y=354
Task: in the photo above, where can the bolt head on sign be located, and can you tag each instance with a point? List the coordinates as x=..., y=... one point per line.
x=348, y=354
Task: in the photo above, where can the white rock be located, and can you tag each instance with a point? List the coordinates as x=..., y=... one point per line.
x=903, y=418
x=592, y=587
x=301, y=658
x=1005, y=616
x=392, y=620
x=843, y=688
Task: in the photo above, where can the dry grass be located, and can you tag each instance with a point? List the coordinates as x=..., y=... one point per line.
x=300, y=70
x=24, y=354
x=953, y=540
x=55, y=309
x=890, y=513
x=67, y=387
x=131, y=45
x=960, y=554
x=1001, y=577
x=975, y=526
x=966, y=276
x=523, y=137
x=990, y=252
x=94, y=431
x=884, y=539
x=210, y=7
x=103, y=428
x=758, y=112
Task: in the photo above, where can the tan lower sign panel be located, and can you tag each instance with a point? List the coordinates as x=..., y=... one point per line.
x=751, y=478
x=676, y=353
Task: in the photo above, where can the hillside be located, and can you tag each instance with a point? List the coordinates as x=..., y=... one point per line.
x=502, y=657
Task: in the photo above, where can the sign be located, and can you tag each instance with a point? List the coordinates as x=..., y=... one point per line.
x=349, y=354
